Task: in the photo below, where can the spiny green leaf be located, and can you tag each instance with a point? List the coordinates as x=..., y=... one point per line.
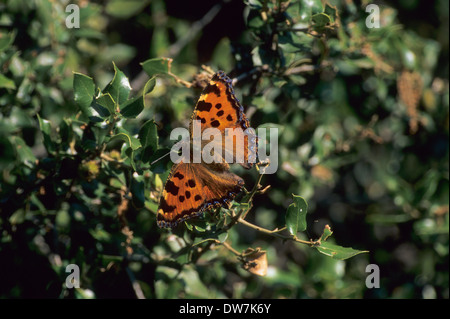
x=148, y=136
x=107, y=102
x=320, y=20
x=157, y=66
x=84, y=89
x=331, y=12
x=149, y=86
x=132, y=108
x=131, y=141
x=119, y=88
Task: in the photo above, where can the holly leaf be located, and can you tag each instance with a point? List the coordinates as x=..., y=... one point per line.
x=157, y=66
x=119, y=88
x=84, y=89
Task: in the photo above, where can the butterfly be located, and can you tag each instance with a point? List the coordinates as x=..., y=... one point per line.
x=192, y=188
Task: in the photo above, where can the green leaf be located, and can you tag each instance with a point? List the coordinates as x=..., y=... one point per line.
x=326, y=233
x=148, y=135
x=315, y=6
x=338, y=252
x=131, y=141
x=309, y=8
x=331, y=12
x=157, y=66
x=296, y=215
x=84, y=89
x=6, y=40
x=132, y=144
x=101, y=112
x=149, y=86
x=46, y=130
x=137, y=189
x=6, y=83
x=132, y=108
x=7, y=152
x=320, y=20
x=23, y=151
x=125, y=8
x=254, y=19
x=333, y=250
x=107, y=102
x=119, y=88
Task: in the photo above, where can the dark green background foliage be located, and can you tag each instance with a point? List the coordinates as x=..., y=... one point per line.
x=363, y=117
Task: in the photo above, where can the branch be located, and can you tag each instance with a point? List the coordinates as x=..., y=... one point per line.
x=275, y=233
x=136, y=287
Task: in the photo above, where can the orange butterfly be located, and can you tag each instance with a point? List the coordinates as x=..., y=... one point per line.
x=192, y=188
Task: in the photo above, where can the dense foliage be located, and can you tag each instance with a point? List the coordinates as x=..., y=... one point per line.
x=363, y=148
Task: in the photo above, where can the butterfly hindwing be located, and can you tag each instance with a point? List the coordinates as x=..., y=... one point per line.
x=192, y=188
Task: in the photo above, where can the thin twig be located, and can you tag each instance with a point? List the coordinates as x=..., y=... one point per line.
x=262, y=68
x=275, y=233
x=194, y=29
x=136, y=287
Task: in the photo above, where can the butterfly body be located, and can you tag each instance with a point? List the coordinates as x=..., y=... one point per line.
x=193, y=187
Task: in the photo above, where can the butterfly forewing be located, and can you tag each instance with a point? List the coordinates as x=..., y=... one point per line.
x=219, y=108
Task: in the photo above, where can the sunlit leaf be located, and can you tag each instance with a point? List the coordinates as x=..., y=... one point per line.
x=296, y=215
x=132, y=108
x=335, y=251
x=83, y=89
x=119, y=88
x=148, y=136
x=157, y=66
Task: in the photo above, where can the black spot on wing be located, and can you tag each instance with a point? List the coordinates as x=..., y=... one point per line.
x=215, y=123
x=218, y=106
x=229, y=117
x=220, y=113
x=165, y=207
x=171, y=188
x=178, y=175
x=203, y=106
x=212, y=89
x=203, y=120
x=191, y=183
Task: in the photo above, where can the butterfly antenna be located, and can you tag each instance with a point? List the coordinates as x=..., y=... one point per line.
x=160, y=158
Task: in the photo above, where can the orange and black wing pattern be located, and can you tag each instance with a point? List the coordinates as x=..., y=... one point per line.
x=219, y=108
x=193, y=188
